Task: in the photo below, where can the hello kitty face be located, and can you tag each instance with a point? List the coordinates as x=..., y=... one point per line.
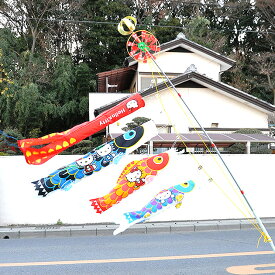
x=162, y=196
x=104, y=150
x=132, y=104
x=133, y=176
x=85, y=161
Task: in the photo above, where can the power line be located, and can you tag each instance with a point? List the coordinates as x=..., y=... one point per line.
x=148, y=25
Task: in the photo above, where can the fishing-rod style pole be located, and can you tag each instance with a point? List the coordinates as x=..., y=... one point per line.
x=213, y=145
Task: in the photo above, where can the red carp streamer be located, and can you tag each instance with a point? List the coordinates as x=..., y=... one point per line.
x=53, y=144
x=134, y=175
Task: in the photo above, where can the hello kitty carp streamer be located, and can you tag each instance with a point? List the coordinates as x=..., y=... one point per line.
x=165, y=199
x=95, y=160
x=39, y=150
x=134, y=175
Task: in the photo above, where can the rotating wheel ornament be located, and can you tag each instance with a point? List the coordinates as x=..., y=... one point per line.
x=142, y=45
x=129, y=22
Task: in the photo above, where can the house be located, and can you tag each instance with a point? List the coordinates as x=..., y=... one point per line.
x=195, y=71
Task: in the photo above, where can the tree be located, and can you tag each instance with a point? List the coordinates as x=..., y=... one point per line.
x=53, y=58
x=137, y=121
x=28, y=107
x=67, y=98
x=265, y=62
x=102, y=47
x=31, y=19
x=266, y=10
x=5, y=81
x=198, y=30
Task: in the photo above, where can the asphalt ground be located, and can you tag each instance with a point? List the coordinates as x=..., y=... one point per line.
x=187, y=253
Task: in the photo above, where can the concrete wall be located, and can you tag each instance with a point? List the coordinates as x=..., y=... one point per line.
x=20, y=204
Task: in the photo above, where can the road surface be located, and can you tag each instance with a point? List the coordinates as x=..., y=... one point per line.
x=212, y=252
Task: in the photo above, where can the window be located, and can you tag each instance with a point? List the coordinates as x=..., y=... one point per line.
x=164, y=129
x=148, y=82
x=214, y=124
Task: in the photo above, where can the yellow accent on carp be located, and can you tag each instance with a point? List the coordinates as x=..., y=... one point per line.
x=147, y=215
x=72, y=140
x=179, y=197
x=58, y=147
x=119, y=192
x=65, y=144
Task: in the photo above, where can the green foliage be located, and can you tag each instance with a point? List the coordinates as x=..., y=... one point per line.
x=103, y=48
x=198, y=28
x=137, y=121
x=84, y=146
x=53, y=64
x=167, y=34
x=27, y=108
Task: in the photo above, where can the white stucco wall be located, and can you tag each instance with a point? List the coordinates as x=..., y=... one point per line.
x=207, y=105
x=211, y=106
x=20, y=204
x=178, y=62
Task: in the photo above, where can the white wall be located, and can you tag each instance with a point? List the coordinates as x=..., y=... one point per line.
x=178, y=62
x=207, y=105
x=211, y=106
x=20, y=204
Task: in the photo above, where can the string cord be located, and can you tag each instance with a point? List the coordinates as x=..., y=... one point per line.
x=251, y=219
x=6, y=136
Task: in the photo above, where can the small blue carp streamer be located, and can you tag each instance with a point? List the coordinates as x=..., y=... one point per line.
x=166, y=198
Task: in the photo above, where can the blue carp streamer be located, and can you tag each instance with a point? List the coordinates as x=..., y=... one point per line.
x=94, y=161
x=166, y=198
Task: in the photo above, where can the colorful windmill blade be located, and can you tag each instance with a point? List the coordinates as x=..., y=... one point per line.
x=142, y=45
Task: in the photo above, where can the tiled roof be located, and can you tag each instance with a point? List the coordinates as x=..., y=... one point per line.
x=183, y=42
x=206, y=82
x=121, y=77
x=194, y=139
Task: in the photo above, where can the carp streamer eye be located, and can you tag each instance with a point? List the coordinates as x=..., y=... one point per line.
x=186, y=184
x=158, y=160
x=129, y=135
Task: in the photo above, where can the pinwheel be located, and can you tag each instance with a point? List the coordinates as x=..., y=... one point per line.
x=142, y=45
